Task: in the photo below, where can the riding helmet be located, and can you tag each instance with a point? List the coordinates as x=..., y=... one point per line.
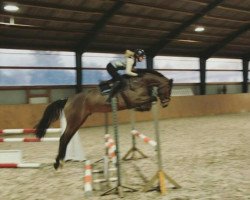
x=139, y=52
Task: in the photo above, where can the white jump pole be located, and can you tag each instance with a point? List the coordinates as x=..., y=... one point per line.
x=50, y=139
x=26, y=131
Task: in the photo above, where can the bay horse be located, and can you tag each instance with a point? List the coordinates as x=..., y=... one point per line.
x=137, y=94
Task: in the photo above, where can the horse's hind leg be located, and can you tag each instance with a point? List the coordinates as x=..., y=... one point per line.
x=64, y=140
x=69, y=132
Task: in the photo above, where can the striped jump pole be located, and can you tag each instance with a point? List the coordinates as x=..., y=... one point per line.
x=144, y=138
x=109, y=155
x=20, y=165
x=27, y=131
x=111, y=148
x=29, y=139
x=13, y=159
x=88, y=188
x=119, y=187
x=131, y=154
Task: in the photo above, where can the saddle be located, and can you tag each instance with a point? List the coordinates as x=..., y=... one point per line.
x=106, y=86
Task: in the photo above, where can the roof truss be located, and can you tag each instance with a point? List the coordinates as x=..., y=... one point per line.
x=154, y=49
x=85, y=42
x=213, y=49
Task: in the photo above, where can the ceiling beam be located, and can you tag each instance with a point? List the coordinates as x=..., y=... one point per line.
x=160, y=8
x=225, y=7
x=77, y=33
x=33, y=46
x=74, y=9
x=110, y=24
x=70, y=36
x=232, y=19
x=44, y=18
x=213, y=49
x=44, y=37
x=91, y=22
x=55, y=6
x=154, y=49
x=166, y=8
x=89, y=38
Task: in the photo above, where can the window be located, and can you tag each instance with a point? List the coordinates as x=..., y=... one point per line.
x=29, y=77
x=182, y=76
x=181, y=69
x=223, y=64
x=224, y=70
x=225, y=76
x=169, y=62
x=28, y=68
x=27, y=58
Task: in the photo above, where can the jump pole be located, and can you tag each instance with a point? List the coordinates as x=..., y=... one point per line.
x=20, y=165
x=27, y=131
x=131, y=154
x=88, y=178
x=119, y=188
x=13, y=159
x=160, y=175
x=109, y=154
x=29, y=139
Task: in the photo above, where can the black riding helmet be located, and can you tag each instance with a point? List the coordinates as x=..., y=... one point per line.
x=139, y=52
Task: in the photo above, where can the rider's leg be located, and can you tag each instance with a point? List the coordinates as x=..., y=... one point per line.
x=114, y=90
x=118, y=81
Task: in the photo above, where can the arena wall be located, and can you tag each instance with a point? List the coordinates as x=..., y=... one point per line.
x=27, y=115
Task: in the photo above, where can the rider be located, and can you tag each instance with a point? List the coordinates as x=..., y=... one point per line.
x=127, y=63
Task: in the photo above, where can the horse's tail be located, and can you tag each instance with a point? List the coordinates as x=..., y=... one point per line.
x=51, y=114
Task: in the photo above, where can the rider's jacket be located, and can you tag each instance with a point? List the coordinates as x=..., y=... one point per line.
x=127, y=63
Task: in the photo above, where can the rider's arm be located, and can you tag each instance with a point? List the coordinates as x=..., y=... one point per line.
x=129, y=66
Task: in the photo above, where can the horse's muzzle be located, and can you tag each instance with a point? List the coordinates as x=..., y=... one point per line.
x=165, y=102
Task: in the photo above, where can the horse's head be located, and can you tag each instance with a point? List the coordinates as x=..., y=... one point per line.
x=164, y=91
x=163, y=84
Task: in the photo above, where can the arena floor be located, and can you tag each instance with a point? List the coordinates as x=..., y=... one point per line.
x=208, y=156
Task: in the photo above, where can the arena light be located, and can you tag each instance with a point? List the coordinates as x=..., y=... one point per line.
x=11, y=8
x=199, y=29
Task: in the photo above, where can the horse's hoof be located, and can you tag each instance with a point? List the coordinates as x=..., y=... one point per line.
x=56, y=165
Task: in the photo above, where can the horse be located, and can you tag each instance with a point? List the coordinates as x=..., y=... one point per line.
x=136, y=94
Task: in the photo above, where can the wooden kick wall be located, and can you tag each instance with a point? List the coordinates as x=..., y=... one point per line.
x=27, y=115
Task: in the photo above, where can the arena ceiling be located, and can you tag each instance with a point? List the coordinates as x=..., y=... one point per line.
x=161, y=27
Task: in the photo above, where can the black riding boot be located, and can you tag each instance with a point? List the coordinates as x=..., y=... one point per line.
x=114, y=90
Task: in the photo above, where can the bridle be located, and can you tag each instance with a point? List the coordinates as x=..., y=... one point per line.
x=165, y=98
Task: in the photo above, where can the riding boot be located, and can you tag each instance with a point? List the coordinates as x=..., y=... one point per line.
x=113, y=91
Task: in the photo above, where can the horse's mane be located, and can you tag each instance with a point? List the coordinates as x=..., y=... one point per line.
x=141, y=72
